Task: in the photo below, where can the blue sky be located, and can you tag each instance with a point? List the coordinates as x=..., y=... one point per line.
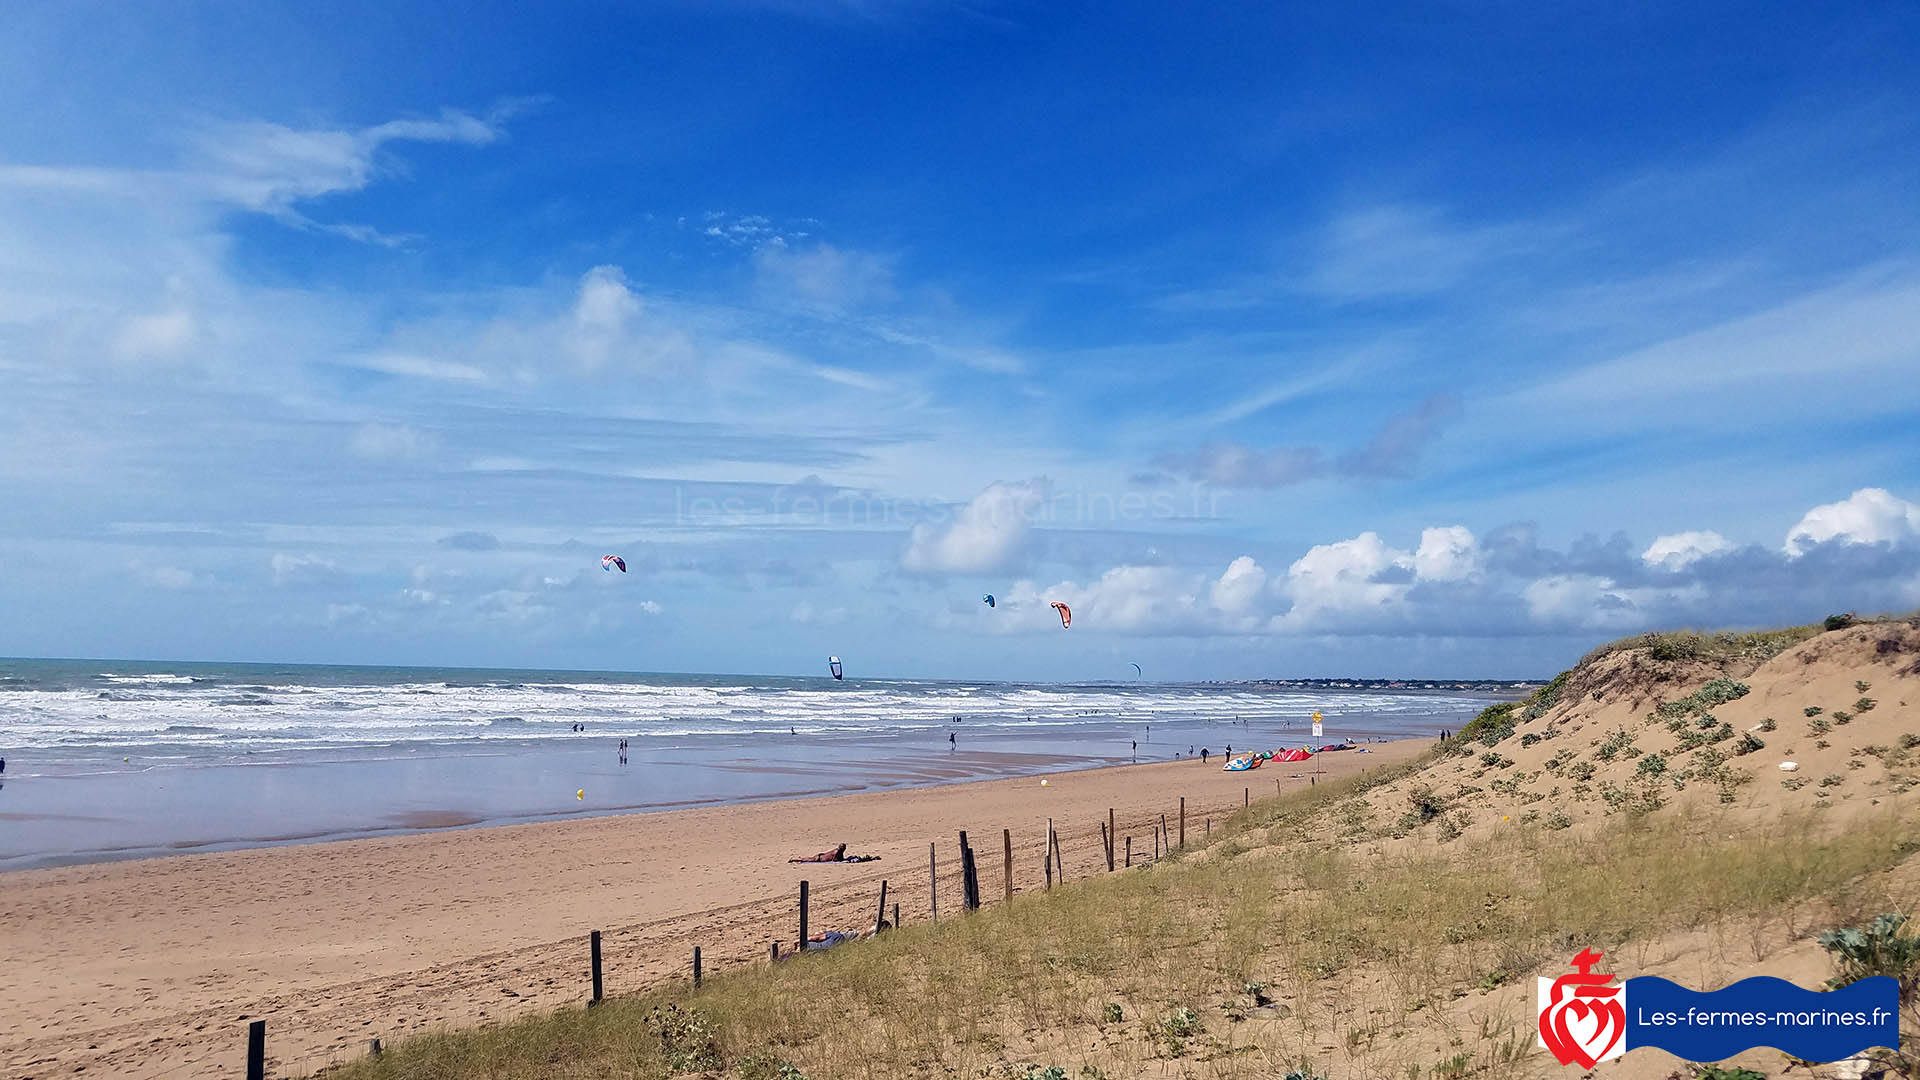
x=1448, y=339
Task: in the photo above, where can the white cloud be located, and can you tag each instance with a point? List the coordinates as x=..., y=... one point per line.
x=1341, y=578
x=172, y=577
x=384, y=442
x=1157, y=600
x=1677, y=551
x=1446, y=553
x=290, y=569
x=421, y=367
x=1832, y=344
x=824, y=276
x=1400, y=250
x=650, y=607
x=1868, y=516
x=1583, y=601
x=159, y=335
x=1240, y=588
x=347, y=613
x=987, y=533
x=271, y=167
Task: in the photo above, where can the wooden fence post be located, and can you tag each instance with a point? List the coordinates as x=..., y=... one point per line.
x=1183, y=823
x=1113, y=837
x=696, y=965
x=803, y=916
x=1047, y=853
x=1006, y=843
x=256, y=1050
x=1166, y=838
x=773, y=951
x=593, y=947
x=1106, y=844
x=1129, y=852
x=933, y=883
x=880, y=917
x=969, y=882
x=1246, y=797
x=896, y=915
x=1059, y=859
x=373, y=1047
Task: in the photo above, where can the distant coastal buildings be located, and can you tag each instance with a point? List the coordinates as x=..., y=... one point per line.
x=1497, y=686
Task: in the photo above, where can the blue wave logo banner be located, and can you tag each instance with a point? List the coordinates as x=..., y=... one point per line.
x=1584, y=1017
x=1808, y=1024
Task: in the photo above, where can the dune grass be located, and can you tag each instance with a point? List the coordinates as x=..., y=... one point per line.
x=1174, y=965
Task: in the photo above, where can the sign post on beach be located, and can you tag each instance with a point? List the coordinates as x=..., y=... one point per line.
x=1316, y=725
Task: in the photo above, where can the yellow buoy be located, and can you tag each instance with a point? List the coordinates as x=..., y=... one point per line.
x=581, y=794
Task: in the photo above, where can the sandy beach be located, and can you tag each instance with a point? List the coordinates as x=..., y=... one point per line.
x=150, y=968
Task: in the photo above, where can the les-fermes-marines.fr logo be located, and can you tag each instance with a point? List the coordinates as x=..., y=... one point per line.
x=1584, y=1019
x=1582, y=1015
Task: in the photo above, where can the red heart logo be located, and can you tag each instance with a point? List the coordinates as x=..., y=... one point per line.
x=1606, y=1024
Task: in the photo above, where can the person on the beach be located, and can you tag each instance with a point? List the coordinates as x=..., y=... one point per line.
x=951, y=741
x=1203, y=755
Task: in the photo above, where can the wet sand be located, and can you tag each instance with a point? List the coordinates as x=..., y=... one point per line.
x=151, y=967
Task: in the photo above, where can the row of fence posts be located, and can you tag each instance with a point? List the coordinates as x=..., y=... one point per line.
x=969, y=898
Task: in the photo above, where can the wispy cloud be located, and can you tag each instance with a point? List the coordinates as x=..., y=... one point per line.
x=1398, y=250
x=1393, y=452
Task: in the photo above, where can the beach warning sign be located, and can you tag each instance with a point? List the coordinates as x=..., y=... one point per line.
x=1317, y=733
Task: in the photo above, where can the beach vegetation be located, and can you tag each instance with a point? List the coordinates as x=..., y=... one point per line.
x=1493, y=724
x=1881, y=947
x=1614, y=745
x=946, y=998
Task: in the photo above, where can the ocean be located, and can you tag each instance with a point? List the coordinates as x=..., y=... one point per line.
x=114, y=759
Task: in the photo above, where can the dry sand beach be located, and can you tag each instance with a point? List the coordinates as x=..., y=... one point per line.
x=149, y=968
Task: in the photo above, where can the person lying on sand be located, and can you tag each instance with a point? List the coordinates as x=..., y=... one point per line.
x=838, y=854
